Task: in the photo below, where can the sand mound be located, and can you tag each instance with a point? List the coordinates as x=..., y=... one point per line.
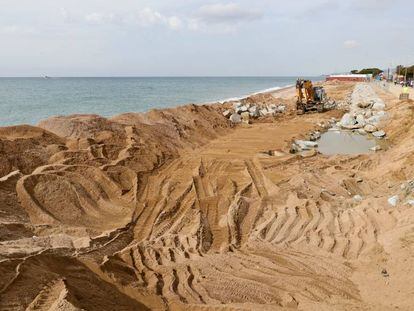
x=26, y=147
x=74, y=196
x=80, y=126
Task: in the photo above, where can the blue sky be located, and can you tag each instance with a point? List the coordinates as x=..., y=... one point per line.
x=203, y=38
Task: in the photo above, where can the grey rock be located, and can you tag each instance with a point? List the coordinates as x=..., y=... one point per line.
x=254, y=112
x=314, y=136
x=360, y=120
x=281, y=108
x=374, y=120
x=235, y=118
x=348, y=121
x=410, y=202
x=381, y=114
x=357, y=198
x=393, y=201
x=375, y=148
x=379, y=105
x=379, y=134
x=237, y=105
x=306, y=144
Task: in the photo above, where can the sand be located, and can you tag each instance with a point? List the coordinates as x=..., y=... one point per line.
x=178, y=209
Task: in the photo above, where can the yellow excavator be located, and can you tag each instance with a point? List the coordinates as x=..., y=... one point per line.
x=310, y=98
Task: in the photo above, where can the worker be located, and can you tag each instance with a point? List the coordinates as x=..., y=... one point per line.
x=405, y=89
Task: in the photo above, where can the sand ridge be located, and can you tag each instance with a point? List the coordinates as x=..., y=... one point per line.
x=178, y=209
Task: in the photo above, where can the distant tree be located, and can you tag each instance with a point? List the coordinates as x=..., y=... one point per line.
x=354, y=71
x=373, y=71
x=409, y=71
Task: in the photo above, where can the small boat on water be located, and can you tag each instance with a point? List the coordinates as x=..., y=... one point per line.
x=46, y=77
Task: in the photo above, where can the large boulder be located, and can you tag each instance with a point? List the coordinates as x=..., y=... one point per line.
x=244, y=108
x=306, y=144
x=235, y=118
x=379, y=134
x=348, y=121
x=378, y=105
x=237, y=107
x=281, y=108
x=374, y=120
x=254, y=112
x=360, y=120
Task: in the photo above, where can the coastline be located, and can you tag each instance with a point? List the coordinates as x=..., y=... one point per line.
x=71, y=96
x=273, y=90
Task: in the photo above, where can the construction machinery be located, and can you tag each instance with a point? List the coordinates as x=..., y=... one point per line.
x=309, y=97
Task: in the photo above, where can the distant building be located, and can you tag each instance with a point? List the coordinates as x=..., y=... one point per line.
x=350, y=77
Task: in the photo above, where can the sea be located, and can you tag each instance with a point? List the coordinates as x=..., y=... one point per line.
x=29, y=100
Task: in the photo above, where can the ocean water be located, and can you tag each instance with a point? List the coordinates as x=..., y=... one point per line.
x=29, y=100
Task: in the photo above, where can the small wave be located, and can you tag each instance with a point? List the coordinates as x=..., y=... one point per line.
x=272, y=89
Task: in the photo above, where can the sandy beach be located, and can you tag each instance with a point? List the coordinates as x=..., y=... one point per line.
x=179, y=209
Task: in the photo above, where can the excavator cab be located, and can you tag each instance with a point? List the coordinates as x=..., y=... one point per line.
x=309, y=98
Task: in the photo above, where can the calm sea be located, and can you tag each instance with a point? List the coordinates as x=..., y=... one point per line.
x=29, y=100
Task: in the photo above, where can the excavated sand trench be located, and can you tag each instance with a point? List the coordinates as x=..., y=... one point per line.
x=175, y=209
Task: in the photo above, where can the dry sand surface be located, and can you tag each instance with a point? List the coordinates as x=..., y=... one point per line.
x=178, y=209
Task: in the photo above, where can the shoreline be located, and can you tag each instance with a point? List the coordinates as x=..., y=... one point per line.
x=106, y=111
x=272, y=90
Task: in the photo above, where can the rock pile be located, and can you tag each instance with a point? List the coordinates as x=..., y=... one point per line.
x=244, y=112
x=304, y=145
x=366, y=111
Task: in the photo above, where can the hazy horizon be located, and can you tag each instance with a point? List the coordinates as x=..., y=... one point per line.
x=202, y=38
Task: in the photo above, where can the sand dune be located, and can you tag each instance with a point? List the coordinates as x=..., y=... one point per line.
x=178, y=209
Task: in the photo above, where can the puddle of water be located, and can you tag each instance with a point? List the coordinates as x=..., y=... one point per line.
x=345, y=142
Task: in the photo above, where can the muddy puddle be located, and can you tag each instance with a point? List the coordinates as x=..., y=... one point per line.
x=346, y=142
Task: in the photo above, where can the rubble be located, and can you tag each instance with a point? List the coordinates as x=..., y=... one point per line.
x=366, y=111
x=314, y=136
x=256, y=110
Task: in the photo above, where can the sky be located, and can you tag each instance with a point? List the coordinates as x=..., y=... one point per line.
x=203, y=38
